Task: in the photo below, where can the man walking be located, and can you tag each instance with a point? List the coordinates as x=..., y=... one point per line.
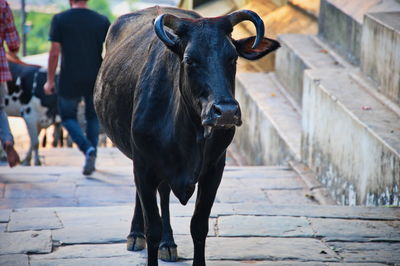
x=9, y=34
x=78, y=34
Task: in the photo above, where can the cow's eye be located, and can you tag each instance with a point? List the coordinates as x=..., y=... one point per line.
x=189, y=61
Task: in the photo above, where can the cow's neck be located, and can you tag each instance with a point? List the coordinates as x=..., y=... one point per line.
x=184, y=150
x=187, y=124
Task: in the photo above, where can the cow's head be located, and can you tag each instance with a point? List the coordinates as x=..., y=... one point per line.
x=208, y=62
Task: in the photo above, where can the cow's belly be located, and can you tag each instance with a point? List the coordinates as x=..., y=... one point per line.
x=113, y=105
x=33, y=112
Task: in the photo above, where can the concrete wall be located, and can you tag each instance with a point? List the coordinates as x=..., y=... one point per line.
x=344, y=146
x=340, y=30
x=289, y=68
x=299, y=52
x=380, y=56
x=260, y=139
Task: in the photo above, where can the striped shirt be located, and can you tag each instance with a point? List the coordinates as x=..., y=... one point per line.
x=8, y=34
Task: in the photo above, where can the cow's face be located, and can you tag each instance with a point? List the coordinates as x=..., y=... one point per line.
x=208, y=57
x=208, y=67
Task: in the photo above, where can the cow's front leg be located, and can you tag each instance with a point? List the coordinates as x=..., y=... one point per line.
x=136, y=240
x=207, y=189
x=35, y=148
x=146, y=186
x=168, y=248
x=33, y=131
x=28, y=157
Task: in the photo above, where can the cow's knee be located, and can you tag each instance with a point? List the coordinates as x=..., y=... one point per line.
x=199, y=228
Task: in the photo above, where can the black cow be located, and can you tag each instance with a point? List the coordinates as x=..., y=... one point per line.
x=26, y=99
x=165, y=96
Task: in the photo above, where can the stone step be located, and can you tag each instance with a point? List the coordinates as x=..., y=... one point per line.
x=350, y=139
x=380, y=52
x=55, y=186
x=239, y=234
x=297, y=53
x=370, y=88
x=340, y=23
x=270, y=134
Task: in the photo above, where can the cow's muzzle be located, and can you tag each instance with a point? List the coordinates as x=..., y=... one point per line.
x=223, y=116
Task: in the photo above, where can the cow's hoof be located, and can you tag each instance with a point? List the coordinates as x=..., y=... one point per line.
x=168, y=252
x=135, y=243
x=26, y=162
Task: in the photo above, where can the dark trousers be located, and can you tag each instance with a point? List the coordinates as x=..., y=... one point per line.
x=68, y=108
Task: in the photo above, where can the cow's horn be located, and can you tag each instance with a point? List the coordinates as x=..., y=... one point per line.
x=168, y=20
x=241, y=15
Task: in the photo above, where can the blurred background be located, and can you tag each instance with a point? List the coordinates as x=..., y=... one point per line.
x=33, y=17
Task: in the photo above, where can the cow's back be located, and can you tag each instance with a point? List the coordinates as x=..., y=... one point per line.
x=140, y=23
x=23, y=79
x=133, y=52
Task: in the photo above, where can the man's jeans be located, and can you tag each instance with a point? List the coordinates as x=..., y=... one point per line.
x=68, y=108
x=5, y=132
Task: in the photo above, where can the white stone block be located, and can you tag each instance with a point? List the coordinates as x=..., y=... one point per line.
x=270, y=134
x=350, y=139
x=380, y=53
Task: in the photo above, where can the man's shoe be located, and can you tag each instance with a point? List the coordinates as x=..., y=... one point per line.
x=12, y=155
x=90, y=162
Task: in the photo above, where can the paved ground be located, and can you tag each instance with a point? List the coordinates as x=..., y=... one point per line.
x=52, y=215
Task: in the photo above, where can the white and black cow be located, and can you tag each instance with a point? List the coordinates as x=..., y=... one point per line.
x=26, y=99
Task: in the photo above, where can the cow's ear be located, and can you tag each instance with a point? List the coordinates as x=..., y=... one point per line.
x=245, y=50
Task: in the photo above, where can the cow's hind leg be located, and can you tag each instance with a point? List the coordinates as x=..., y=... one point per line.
x=136, y=240
x=207, y=190
x=146, y=186
x=168, y=249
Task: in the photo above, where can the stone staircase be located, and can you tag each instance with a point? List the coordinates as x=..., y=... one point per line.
x=333, y=103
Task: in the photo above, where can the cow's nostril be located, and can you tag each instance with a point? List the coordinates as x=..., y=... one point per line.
x=217, y=110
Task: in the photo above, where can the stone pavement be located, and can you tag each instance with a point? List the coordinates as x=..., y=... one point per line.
x=52, y=215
